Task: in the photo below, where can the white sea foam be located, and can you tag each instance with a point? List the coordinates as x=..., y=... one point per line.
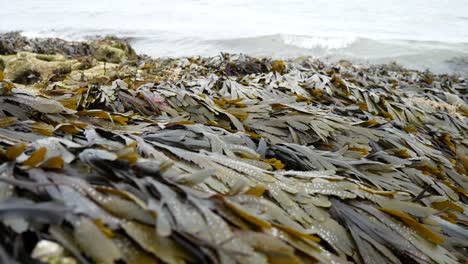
x=310, y=42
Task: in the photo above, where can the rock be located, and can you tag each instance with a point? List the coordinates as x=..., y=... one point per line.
x=27, y=68
x=113, y=50
x=345, y=63
x=109, y=49
x=49, y=57
x=102, y=70
x=13, y=42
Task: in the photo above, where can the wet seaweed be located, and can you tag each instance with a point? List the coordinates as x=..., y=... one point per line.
x=233, y=159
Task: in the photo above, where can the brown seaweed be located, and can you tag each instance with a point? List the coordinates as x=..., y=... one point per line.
x=233, y=159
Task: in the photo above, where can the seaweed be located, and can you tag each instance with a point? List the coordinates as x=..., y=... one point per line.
x=233, y=159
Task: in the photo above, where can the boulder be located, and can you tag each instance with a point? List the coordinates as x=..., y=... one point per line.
x=108, y=49
x=113, y=50
x=28, y=68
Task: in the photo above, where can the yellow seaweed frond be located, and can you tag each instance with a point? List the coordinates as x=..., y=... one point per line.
x=447, y=140
x=402, y=153
x=447, y=204
x=102, y=227
x=297, y=233
x=246, y=216
x=257, y=190
x=36, y=157
x=7, y=121
x=278, y=66
x=53, y=163
x=364, y=151
x=415, y=225
x=14, y=151
x=275, y=163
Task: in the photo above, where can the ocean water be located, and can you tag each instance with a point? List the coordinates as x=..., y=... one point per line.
x=421, y=34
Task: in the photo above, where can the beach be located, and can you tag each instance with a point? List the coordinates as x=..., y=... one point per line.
x=108, y=155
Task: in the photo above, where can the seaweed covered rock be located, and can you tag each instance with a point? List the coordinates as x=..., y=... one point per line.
x=28, y=68
x=109, y=49
x=112, y=50
x=2, y=64
x=27, y=61
x=14, y=42
x=248, y=65
x=104, y=71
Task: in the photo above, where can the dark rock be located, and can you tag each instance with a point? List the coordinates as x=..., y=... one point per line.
x=27, y=77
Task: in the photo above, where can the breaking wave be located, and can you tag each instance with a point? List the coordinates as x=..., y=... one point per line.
x=437, y=56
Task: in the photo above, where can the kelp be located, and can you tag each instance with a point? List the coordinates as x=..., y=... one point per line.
x=233, y=159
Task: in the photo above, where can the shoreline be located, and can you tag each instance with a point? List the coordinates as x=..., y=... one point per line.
x=106, y=156
x=52, y=45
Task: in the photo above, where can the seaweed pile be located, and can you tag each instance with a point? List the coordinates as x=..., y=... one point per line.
x=230, y=159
